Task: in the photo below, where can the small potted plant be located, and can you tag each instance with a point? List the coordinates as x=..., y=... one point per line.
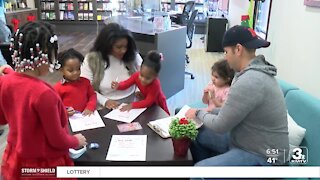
x=182, y=131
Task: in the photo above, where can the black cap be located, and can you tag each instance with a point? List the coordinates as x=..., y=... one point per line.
x=245, y=36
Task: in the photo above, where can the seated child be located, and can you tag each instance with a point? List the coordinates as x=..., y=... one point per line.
x=215, y=94
x=148, y=83
x=76, y=92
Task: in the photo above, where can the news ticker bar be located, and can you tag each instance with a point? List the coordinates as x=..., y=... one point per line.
x=173, y=172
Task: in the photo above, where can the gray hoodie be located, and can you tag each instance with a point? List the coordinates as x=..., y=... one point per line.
x=254, y=112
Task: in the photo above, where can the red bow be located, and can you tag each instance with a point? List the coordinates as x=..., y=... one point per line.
x=15, y=23
x=31, y=18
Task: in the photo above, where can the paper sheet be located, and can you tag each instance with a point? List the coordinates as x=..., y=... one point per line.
x=163, y=124
x=126, y=116
x=127, y=148
x=78, y=122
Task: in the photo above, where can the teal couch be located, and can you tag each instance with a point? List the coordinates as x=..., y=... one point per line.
x=305, y=110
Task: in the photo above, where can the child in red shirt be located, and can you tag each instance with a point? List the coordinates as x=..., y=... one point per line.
x=76, y=92
x=148, y=83
x=38, y=123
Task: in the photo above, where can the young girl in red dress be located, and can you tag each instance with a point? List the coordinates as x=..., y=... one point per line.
x=76, y=92
x=38, y=123
x=148, y=83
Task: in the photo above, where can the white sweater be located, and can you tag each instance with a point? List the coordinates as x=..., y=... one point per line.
x=116, y=71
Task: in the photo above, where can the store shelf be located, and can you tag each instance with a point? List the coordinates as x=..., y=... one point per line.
x=98, y=10
x=77, y=10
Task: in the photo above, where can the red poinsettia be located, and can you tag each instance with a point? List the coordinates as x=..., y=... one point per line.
x=183, y=121
x=183, y=128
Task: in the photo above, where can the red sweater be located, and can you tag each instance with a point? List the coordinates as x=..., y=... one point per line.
x=152, y=93
x=37, y=119
x=77, y=94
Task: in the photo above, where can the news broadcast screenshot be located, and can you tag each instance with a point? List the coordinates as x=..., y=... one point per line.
x=159, y=89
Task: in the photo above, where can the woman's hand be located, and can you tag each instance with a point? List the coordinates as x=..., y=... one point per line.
x=139, y=95
x=127, y=107
x=81, y=139
x=114, y=85
x=111, y=104
x=87, y=112
x=191, y=113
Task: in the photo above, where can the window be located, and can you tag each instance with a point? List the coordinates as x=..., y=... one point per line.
x=261, y=17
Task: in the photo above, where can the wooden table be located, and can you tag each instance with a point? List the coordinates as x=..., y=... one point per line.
x=159, y=151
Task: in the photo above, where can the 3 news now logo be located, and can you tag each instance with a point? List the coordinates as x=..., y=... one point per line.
x=299, y=155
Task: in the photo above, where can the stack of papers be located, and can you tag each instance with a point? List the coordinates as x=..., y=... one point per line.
x=126, y=116
x=78, y=122
x=127, y=148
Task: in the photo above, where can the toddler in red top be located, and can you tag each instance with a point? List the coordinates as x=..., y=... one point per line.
x=38, y=123
x=76, y=92
x=148, y=83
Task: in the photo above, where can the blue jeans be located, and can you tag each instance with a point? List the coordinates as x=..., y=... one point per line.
x=211, y=149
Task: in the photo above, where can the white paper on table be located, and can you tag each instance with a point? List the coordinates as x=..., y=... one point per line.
x=164, y=123
x=78, y=122
x=126, y=116
x=182, y=112
x=127, y=148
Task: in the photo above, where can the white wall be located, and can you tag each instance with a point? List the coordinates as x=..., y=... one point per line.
x=237, y=8
x=30, y=3
x=294, y=32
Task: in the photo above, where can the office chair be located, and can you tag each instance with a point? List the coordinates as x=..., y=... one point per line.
x=181, y=18
x=190, y=31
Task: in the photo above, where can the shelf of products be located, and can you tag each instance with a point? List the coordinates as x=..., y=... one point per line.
x=48, y=10
x=66, y=10
x=178, y=5
x=80, y=10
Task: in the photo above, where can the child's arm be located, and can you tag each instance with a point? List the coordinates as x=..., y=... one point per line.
x=150, y=98
x=2, y=119
x=6, y=69
x=205, y=98
x=92, y=97
x=207, y=94
x=147, y=102
x=129, y=82
x=52, y=115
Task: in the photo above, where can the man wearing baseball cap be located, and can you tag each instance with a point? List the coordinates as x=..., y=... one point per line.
x=252, y=123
